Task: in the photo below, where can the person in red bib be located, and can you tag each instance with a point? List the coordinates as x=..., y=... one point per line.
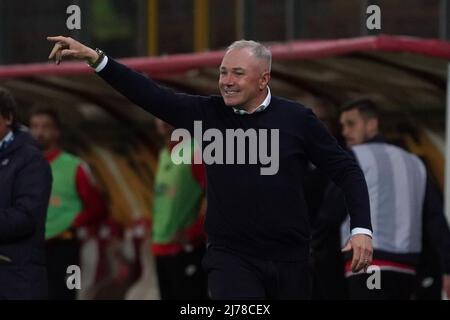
x=75, y=202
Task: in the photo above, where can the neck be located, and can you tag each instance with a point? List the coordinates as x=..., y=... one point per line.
x=171, y=144
x=375, y=138
x=52, y=154
x=258, y=101
x=51, y=149
x=4, y=136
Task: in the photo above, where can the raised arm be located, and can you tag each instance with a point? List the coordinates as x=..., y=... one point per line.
x=180, y=110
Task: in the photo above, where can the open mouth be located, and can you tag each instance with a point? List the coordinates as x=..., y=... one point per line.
x=230, y=93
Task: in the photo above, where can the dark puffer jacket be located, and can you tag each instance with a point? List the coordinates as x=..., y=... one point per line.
x=25, y=186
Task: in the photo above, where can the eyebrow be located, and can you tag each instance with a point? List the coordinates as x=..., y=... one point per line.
x=234, y=69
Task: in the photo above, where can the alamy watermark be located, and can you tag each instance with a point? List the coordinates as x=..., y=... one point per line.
x=374, y=280
x=252, y=146
x=73, y=22
x=73, y=280
x=373, y=21
x=373, y=272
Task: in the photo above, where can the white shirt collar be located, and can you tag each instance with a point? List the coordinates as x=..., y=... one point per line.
x=262, y=107
x=6, y=139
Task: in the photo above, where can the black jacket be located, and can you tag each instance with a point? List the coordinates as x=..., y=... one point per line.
x=25, y=186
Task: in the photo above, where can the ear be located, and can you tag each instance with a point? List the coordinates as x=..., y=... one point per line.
x=9, y=120
x=264, y=81
x=372, y=126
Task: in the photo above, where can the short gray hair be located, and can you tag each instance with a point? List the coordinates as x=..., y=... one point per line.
x=256, y=48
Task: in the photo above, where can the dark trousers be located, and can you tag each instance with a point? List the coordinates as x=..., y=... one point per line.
x=429, y=275
x=233, y=276
x=60, y=255
x=181, y=276
x=328, y=281
x=327, y=266
x=394, y=286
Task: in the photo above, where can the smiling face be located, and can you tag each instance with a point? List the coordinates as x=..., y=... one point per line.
x=243, y=79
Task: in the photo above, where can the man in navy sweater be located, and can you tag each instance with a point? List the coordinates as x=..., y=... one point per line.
x=256, y=221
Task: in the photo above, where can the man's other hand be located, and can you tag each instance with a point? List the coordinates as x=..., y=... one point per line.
x=361, y=245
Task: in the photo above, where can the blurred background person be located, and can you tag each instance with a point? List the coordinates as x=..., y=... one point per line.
x=75, y=202
x=178, y=238
x=25, y=181
x=404, y=205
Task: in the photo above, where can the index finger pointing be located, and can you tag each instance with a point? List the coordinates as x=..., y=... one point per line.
x=57, y=38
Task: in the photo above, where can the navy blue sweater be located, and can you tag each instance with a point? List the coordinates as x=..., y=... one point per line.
x=261, y=215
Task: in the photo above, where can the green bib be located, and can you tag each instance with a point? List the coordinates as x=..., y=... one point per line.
x=65, y=203
x=176, y=198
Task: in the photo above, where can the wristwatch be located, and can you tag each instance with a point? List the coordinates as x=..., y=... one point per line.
x=101, y=56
